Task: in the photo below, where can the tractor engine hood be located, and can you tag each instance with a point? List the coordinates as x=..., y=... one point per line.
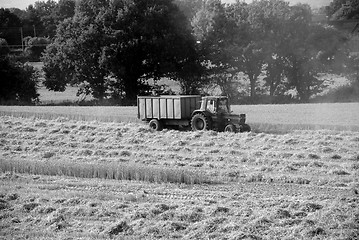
x=236, y=119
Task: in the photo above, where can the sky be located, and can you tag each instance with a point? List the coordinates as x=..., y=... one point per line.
x=22, y=4
x=312, y=3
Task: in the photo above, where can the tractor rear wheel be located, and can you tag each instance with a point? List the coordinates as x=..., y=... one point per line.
x=230, y=128
x=199, y=122
x=156, y=125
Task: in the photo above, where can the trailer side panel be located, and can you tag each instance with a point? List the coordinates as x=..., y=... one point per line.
x=167, y=107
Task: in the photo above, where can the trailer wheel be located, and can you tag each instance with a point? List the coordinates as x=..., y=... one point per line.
x=244, y=128
x=230, y=128
x=199, y=122
x=156, y=125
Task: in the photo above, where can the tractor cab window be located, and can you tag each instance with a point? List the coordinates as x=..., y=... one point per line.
x=211, y=106
x=223, y=106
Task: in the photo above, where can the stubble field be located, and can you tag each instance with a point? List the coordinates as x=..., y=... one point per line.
x=77, y=178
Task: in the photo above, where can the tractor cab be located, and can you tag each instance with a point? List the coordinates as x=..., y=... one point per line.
x=215, y=105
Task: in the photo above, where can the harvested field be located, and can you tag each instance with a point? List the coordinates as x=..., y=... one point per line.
x=262, y=118
x=298, y=185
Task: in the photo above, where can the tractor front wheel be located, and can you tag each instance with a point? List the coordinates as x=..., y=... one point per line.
x=230, y=128
x=199, y=122
x=245, y=128
x=156, y=125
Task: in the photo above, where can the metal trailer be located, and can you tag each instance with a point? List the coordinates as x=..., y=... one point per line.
x=171, y=110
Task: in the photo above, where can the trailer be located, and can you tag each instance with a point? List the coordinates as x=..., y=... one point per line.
x=200, y=113
x=171, y=110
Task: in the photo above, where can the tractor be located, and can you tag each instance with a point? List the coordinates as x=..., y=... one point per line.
x=198, y=113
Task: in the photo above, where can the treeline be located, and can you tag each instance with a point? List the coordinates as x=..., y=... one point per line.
x=265, y=51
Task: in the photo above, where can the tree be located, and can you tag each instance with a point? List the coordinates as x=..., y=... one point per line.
x=275, y=66
x=75, y=55
x=251, y=63
x=10, y=26
x=151, y=39
x=189, y=7
x=116, y=46
x=268, y=27
x=18, y=82
x=350, y=12
x=218, y=37
x=63, y=10
x=39, y=18
x=4, y=47
x=310, y=50
x=250, y=54
x=35, y=46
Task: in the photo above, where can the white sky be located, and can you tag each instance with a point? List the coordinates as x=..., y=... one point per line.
x=312, y=3
x=22, y=4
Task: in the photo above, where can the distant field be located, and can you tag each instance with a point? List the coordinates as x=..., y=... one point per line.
x=336, y=116
x=51, y=97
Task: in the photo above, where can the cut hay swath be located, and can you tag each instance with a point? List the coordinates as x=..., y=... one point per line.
x=132, y=171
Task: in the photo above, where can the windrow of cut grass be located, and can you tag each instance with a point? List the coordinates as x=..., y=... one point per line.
x=134, y=172
x=75, y=117
x=103, y=114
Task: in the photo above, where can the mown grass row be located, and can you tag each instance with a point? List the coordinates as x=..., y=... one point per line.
x=133, y=172
x=75, y=117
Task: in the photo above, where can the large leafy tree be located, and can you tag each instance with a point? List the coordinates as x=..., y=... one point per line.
x=232, y=38
x=266, y=36
x=42, y=17
x=74, y=57
x=218, y=38
x=39, y=18
x=310, y=50
x=336, y=11
x=118, y=45
x=268, y=25
x=189, y=7
x=150, y=39
x=10, y=25
x=63, y=10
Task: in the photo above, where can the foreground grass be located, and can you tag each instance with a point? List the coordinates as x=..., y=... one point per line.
x=43, y=207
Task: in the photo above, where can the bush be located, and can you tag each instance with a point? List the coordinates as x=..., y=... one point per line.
x=35, y=47
x=4, y=47
x=18, y=84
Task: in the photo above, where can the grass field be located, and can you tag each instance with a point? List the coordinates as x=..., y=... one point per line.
x=299, y=185
x=262, y=118
x=99, y=173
